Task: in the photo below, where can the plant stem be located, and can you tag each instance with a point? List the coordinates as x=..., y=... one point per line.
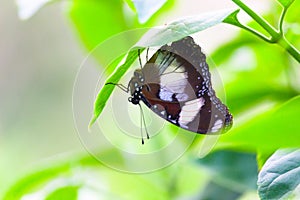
x=289, y=48
x=275, y=35
x=258, y=34
x=281, y=21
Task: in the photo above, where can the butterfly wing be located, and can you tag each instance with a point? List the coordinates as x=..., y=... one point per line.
x=178, y=88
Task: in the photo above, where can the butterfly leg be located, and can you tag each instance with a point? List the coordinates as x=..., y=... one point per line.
x=121, y=86
x=141, y=124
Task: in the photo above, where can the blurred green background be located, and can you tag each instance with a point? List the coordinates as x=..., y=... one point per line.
x=39, y=59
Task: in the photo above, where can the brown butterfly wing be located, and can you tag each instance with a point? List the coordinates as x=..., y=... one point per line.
x=178, y=88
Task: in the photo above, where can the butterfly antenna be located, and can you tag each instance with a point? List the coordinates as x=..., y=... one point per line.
x=140, y=60
x=122, y=87
x=144, y=121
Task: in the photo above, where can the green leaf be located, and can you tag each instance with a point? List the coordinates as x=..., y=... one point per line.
x=27, y=9
x=239, y=99
x=146, y=8
x=181, y=28
x=187, y=179
x=271, y=85
x=106, y=91
x=99, y=21
x=68, y=192
x=96, y=21
x=62, y=179
x=269, y=131
x=240, y=178
x=214, y=191
x=33, y=181
x=285, y=3
x=280, y=175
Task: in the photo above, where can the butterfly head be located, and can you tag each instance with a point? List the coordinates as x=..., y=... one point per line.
x=134, y=100
x=136, y=86
x=136, y=95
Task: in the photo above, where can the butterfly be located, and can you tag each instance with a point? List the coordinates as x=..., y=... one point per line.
x=175, y=83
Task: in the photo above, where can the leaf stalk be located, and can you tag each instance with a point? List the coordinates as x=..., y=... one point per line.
x=277, y=36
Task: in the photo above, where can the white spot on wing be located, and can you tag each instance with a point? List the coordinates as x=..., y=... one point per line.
x=189, y=111
x=165, y=94
x=217, y=126
x=182, y=97
x=173, y=121
x=173, y=81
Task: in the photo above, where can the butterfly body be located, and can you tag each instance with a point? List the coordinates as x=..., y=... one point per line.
x=175, y=83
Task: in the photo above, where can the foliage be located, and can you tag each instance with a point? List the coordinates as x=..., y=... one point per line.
x=91, y=18
x=279, y=178
x=262, y=93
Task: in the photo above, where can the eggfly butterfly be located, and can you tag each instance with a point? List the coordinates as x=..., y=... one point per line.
x=175, y=83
